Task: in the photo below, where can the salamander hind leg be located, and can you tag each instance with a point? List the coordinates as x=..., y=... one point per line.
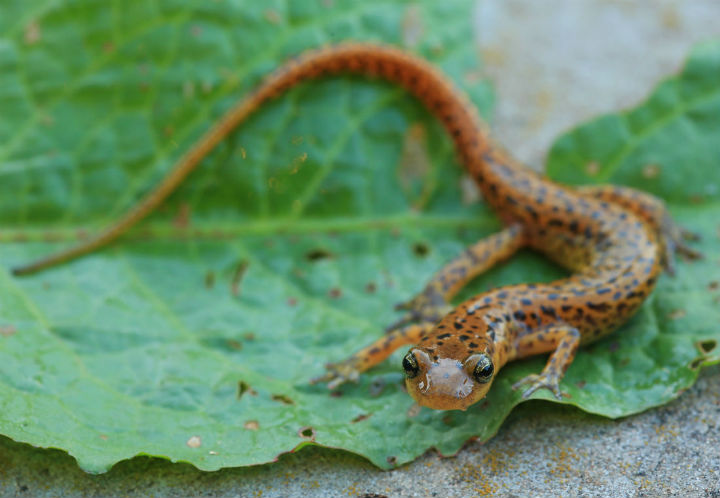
x=563, y=340
x=350, y=369
x=433, y=302
x=653, y=211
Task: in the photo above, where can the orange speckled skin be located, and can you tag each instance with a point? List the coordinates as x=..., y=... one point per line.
x=611, y=238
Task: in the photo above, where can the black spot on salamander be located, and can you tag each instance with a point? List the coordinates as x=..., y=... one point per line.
x=597, y=306
x=376, y=350
x=464, y=337
x=519, y=315
x=444, y=336
x=439, y=343
x=566, y=307
x=546, y=310
x=621, y=307
x=458, y=325
x=555, y=222
x=441, y=326
x=532, y=212
x=473, y=345
x=491, y=333
x=573, y=226
x=511, y=200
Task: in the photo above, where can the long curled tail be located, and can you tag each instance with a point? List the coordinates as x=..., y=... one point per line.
x=392, y=64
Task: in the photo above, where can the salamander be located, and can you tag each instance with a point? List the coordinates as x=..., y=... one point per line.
x=614, y=240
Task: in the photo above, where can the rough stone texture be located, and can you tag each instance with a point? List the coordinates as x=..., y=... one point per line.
x=555, y=64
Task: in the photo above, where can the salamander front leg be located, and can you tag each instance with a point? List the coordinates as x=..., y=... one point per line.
x=369, y=356
x=433, y=302
x=564, y=340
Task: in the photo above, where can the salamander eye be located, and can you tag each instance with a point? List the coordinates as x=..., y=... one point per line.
x=483, y=369
x=410, y=365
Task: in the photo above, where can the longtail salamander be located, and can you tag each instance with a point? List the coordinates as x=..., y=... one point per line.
x=614, y=240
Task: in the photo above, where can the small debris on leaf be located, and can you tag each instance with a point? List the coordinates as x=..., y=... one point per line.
x=194, y=442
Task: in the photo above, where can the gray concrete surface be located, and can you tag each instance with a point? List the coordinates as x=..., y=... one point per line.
x=555, y=63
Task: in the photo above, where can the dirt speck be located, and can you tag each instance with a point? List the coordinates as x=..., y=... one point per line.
x=194, y=442
x=251, y=425
x=592, y=168
x=676, y=314
x=32, y=33
x=651, y=171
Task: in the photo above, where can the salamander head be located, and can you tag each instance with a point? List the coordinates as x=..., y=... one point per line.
x=444, y=382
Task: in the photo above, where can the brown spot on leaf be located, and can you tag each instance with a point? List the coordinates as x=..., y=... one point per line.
x=335, y=293
x=415, y=166
x=238, y=273
x=580, y=384
x=7, y=330
x=182, y=217
x=318, y=254
x=292, y=301
x=209, y=279
x=251, y=425
x=420, y=249
x=706, y=346
x=370, y=287
x=272, y=16
x=285, y=400
x=244, y=387
x=233, y=344
x=361, y=417
x=32, y=33
x=306, y=433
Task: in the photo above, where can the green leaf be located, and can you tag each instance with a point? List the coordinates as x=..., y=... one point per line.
x=194, y=337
